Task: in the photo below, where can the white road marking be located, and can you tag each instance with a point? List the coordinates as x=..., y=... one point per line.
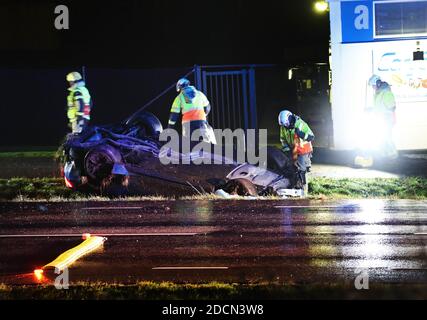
x=161, y=234
x=353, y=233
x=366, y=234
x=190, y=268
x=112, y=208
x=314, y=207
x=406, y=269
x=356, y=205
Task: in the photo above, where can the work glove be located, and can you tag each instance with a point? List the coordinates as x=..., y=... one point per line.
x=286, y=148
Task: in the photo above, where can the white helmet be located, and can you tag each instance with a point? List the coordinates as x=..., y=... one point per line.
x=74, y=76
x=373, y=80
x=286, y=119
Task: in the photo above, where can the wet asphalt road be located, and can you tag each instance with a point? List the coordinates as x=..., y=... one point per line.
x=301, y=242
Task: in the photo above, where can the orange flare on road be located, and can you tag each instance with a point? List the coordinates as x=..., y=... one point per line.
x=38, y=273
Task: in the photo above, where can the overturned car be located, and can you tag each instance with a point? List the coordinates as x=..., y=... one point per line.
x=126, y=159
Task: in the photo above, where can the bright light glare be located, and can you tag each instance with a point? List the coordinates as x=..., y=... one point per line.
x=372, y=211
x=38, y=273
x=362, y=135
x=321, y=6
x=86, y=236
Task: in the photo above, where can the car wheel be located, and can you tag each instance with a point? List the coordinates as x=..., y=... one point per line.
x=145, y=124
x=241, y=187
x=100, y=160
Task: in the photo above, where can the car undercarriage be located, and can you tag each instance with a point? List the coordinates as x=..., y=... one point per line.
x=125, y=159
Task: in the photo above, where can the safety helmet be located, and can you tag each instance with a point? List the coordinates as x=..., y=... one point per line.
x=74, y=76
x=286, y=119
x=182, y=83
x=374, y=80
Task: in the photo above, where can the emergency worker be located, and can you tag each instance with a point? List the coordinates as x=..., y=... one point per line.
x=79, y=103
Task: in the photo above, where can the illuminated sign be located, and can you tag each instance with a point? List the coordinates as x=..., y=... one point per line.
x=369, y=20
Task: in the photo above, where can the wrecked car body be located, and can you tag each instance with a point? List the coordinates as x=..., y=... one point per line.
x=125, y=159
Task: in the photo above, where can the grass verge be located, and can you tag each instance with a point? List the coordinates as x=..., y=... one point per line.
x=210, y=291
x=53, y=189
x=400, y=188
x=28, y=154
x=35, y=188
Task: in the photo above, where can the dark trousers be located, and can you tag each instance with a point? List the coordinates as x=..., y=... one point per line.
x=189, y=127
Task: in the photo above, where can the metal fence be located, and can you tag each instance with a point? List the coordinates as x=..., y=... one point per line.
x=232, y=93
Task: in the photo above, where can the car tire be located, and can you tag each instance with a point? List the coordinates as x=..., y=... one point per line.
x=241, y=187
x=100, y=160
x=148, y=124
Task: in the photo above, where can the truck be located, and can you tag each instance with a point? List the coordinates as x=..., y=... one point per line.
x=387, y=38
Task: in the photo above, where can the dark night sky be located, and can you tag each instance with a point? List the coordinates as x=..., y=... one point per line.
x=161, y=33
x=134, y=49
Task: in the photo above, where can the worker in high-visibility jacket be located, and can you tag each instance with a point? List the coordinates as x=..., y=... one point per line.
x=296, y=137
x=194, y=107
x=79, y=103
x=384, y=105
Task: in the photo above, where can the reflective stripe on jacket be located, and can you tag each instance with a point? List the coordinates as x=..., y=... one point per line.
x=79, y=102
x=296, y=137
x=192, y=109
